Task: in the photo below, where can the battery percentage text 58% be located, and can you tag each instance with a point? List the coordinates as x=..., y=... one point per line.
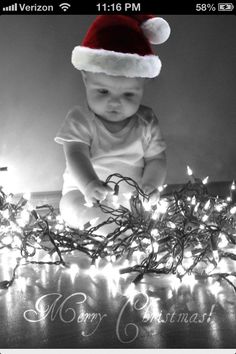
x=205, y=7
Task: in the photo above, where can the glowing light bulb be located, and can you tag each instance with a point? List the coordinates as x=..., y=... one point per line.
x=7, y=240
x=233, y=186
x=216, y=255
x=16, y=241
x=215, y=289
x=162, y=206
x=113, y=258
x=125, y=263
x=80, y=226
x=161, y=188
x=111, y=272
x=188, y=254
x=24, y=218
x=9, y=198
x=189, y=171
x=138, y=255
x=205, y=180
x=5, y=213
x=90, y=247
x=207, y=205
x=134, y=244
x=193, y=200
x=223, y=241
x=127, y=195
x=88, y=204
x=74, y=268
x=47, y=258
x=59, y=227
x=14, y=227
x=219, y=207
x=22, y=283
x=93, y=271
x=73, y=271
x=210, y=268
x=96, y=262
x=169, y=262
x=196, y=207
x=205, y=218
x=146, y=205
x=131, y=292
x=190, y=280
x=59, y=219
x=112, y=277
x=180, y=269
x=93, y=221
x=30, y=207
x=155, y=247
x=233, y=210
x=27, y=195
x=155, y=215
x=171, y=225
x=110, y=243
x=169, y=294
x=154, y=232
x=175, y=283
x=115, y=201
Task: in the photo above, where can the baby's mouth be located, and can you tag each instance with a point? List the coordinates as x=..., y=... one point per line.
x=113, y=112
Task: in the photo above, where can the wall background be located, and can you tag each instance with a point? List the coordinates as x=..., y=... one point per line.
x=194, y=96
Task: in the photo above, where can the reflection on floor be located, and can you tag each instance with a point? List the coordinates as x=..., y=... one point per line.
x=81, y=306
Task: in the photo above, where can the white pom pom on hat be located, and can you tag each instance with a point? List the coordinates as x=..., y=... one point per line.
x=156, y=29
x=120, y=45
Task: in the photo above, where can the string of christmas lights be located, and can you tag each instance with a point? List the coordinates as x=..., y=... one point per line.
x=187, y=232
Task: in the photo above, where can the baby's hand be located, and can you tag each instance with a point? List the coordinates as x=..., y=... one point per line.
x=152, y=192
x=96, y=191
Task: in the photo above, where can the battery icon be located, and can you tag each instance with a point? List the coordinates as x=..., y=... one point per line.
x=225, y=6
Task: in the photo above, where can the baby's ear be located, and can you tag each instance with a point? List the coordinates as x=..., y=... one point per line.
x=84, y=76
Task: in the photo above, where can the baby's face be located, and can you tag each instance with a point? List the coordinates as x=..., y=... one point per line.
x=113, y=98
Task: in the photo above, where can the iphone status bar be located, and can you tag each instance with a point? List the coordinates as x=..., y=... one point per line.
x=93, y=7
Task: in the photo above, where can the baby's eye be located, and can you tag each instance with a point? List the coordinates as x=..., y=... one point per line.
x=103, y=91
x=129, y=94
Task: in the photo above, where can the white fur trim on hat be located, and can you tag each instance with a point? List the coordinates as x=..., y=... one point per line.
x=115, y=63
x=156, y=29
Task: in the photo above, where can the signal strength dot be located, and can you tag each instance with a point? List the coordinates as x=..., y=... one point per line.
x=65, y=6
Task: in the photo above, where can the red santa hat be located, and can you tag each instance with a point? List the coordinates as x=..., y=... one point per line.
x=120, y=45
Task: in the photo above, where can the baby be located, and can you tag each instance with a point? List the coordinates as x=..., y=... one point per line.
x=112, y=132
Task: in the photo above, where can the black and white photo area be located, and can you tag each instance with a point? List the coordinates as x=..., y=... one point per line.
x=194, y=101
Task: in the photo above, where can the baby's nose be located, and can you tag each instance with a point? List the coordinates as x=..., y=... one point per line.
x=114, y=102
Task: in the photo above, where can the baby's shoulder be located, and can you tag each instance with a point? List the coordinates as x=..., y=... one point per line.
x=80, y=115
x=145, y=114
x=77, y=112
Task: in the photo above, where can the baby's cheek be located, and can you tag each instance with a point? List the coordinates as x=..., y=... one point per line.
x=132, y=107
x=100, y=106
x=97, y=104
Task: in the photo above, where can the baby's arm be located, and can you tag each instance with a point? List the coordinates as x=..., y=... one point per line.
x=154, y=175
x=79, y=164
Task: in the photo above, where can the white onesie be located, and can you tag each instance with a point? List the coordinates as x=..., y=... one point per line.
x=124, y=152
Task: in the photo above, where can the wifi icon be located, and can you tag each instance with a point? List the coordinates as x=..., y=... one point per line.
x=65, y=6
